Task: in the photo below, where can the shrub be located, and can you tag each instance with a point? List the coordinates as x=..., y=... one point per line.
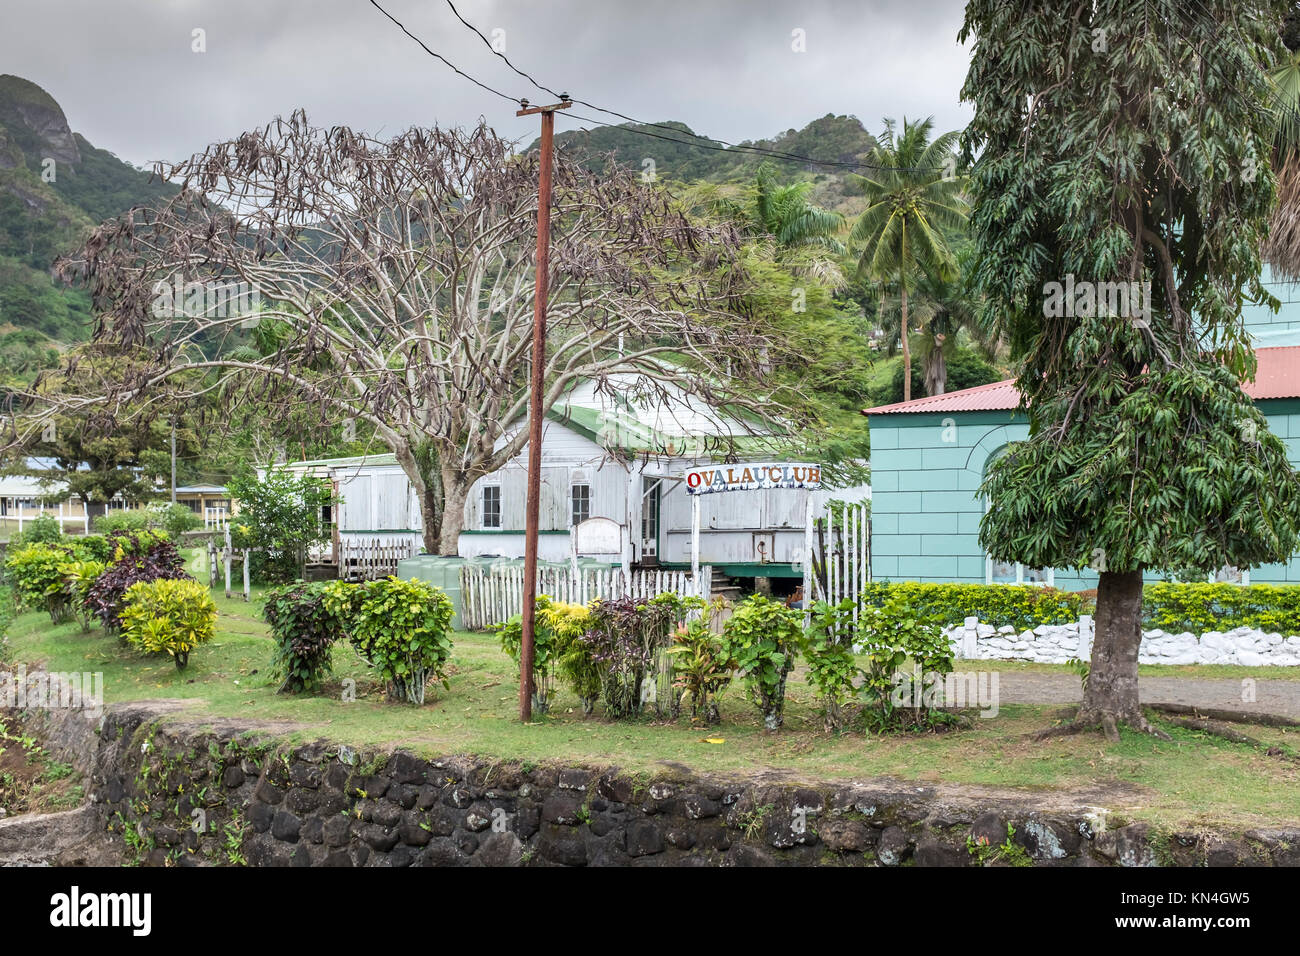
x=400, y=628
x=828, y=651
x=1173, y=606
x=137, y=557
x=168, y=615
x=280, y=520
x=8, y=611
x=111, y=521
x=624, y=639
x=558, y=628
x=78, y=576
x=890, y=638
x=175, y=519
x=701, y=668
x=134, y=542
x=1200, y=607
x=1024, y=607
x=305, y=631
x=760, y=640
x=43, y=529
x=91, y=547
x=38, y=581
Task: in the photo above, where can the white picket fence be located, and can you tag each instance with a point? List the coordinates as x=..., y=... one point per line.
x=491, y=595
x=368, y=559
x=841, y=550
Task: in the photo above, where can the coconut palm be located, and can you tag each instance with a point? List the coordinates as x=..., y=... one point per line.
x=805, y=236
x=940, y=310
x=1282, y=248
x=913, y=195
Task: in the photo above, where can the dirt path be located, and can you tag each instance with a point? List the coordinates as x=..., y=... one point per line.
x=1281, y=697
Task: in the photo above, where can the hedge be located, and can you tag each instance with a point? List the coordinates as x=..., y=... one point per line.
x=1176, y=607
x=1171, y=606
x=1022, y=606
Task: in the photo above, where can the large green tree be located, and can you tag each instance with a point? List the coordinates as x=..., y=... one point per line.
x=1127, y=141
x=913, y=196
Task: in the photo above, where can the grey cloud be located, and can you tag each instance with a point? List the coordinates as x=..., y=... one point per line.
x=125, y=74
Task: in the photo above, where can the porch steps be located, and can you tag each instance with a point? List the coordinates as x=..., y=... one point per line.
x=723, y=586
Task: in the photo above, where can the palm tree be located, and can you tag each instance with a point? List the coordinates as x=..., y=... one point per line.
x=782, y=210
x=804, y=236
x=1282, y=248
x=940, y=310
x=913, y=196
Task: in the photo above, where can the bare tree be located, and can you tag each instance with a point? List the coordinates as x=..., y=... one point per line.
x=395, y=282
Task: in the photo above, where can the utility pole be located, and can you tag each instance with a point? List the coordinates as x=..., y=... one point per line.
x=173, y=461
x=533, y=507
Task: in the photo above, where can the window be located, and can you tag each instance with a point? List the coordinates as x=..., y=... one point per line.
x=580, y=502
x=649, y=517
x=491, y=506
x=1007, y=572
x=1228, y=574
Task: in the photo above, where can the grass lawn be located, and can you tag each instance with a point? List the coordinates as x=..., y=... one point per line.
x=1202, y=671
x=1194, y=779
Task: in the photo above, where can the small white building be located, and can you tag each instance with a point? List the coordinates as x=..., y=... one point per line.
x=603, y=456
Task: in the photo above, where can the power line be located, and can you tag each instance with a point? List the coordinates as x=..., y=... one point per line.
x=710, y=142
x=460, y=72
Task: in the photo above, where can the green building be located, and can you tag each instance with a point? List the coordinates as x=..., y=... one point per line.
x=929, y=455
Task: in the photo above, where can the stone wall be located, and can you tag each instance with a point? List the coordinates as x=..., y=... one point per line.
x=1057, y=643
x=172, y=791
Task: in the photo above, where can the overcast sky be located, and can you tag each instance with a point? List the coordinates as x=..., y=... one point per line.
x=128, y=80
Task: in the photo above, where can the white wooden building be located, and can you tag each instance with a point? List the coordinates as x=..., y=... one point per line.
x=603, y=456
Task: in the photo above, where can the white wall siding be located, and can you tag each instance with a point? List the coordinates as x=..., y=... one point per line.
x=376, y=500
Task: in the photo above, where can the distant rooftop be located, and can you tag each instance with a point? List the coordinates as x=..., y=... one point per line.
x=1277, y=376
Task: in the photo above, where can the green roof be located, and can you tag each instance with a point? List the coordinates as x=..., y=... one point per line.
x=385, y=459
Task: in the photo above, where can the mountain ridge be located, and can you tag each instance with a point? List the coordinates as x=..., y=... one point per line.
x=55, y=185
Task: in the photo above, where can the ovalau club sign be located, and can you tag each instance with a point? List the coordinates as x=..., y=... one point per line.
x=752, y=477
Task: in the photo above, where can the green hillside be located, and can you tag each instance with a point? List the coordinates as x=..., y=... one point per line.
x=680, y=155
x=54, y=187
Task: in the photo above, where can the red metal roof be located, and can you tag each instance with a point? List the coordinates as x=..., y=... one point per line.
x=1277, y=376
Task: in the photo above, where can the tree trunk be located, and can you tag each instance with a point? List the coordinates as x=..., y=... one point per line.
x=1111, y=695
x=936, y=372
x=455, y=490
x=429, y=509
x=427, y=483
x=907, y=347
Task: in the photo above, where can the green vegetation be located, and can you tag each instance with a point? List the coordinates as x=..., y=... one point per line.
x=557, y=650
x=31, y=780
x=914, y=199
x=168, y=616
x=761, y=640
x=1197, y=608
x=400, y=628
x=279, y=518
x=41, y=219
x=1144, y=452
x=305, y=631
x=1196, y=778
x=1024, y=607
x=683, y=156
x=1006, y=853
